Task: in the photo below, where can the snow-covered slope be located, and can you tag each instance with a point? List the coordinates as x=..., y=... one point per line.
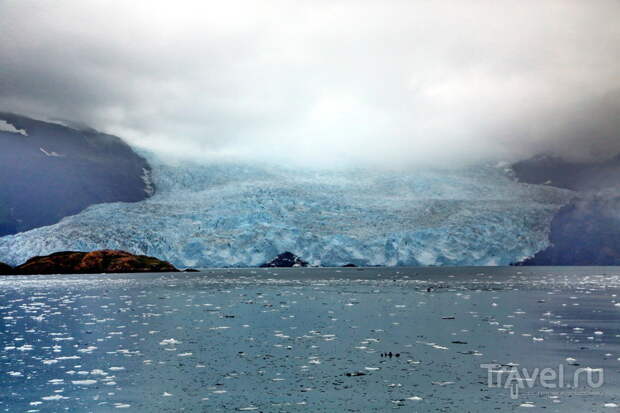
x=244, y=215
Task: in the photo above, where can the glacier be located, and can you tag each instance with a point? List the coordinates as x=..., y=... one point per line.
x=224, y=214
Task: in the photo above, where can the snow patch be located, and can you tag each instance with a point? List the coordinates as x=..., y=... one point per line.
x=52, y=153
x=8, y=127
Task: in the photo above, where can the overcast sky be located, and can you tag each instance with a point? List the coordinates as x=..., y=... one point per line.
x=393, y=82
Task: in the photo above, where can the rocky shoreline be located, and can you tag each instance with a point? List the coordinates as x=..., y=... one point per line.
x=95, y=262
x=117, y=261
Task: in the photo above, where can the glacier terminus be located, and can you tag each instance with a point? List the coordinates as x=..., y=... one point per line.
x=238, y=214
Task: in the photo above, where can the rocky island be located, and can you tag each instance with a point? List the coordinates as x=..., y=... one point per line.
x=5, y=269
x=285, y=260
x=95, y=262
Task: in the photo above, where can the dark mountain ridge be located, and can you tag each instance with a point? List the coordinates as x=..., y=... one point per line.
x=49, y=171
x=584, y=177
x=586, y=231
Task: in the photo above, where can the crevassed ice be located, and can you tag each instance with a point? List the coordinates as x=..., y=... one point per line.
x=243, y=215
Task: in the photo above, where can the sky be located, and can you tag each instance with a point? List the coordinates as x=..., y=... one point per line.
x=338, y=82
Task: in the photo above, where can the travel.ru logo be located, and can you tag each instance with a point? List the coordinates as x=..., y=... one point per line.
x=515, y=379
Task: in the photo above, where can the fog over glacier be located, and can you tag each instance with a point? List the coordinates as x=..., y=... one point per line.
x=352, y=83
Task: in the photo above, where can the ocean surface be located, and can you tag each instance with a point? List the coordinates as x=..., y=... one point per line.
x=313, y=340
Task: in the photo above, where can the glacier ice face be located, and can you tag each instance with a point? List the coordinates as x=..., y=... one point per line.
x=226, y=214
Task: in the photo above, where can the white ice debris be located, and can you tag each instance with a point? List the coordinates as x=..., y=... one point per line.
x=122, y=405
x=84, y=382
x=54, y=397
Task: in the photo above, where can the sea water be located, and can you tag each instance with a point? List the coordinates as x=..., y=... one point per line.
x=312, y=340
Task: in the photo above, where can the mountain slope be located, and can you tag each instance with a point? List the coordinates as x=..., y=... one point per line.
x=587, y=230
x=49, y=171
x=584, y=232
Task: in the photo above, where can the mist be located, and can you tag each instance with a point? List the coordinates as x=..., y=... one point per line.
x=323, y=83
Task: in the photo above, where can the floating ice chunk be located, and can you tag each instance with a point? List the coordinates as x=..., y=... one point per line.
x=54, y=397
x=122, y=405
x=84, y=382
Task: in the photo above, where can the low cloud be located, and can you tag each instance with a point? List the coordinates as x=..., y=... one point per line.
x=323, y=82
